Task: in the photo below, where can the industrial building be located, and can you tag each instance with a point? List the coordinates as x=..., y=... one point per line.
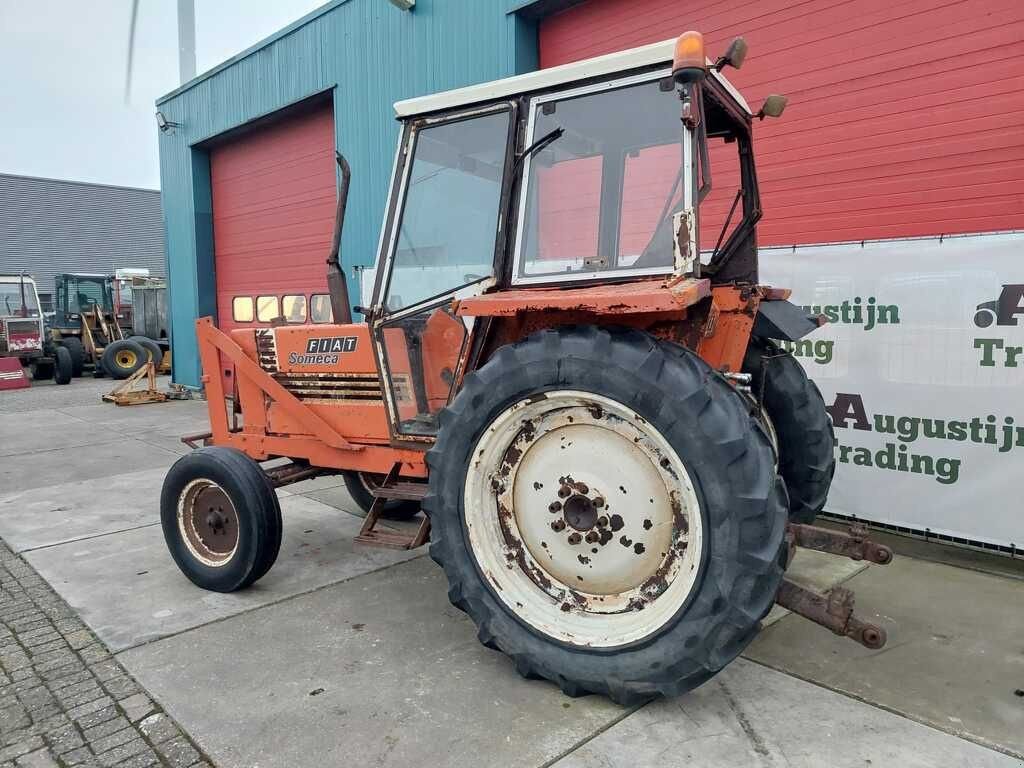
x=893, y=179
x=51, y=226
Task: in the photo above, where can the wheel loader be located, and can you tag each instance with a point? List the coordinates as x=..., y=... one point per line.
x=614, y=459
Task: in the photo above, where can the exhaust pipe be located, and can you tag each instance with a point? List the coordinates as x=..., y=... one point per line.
x=337, y=286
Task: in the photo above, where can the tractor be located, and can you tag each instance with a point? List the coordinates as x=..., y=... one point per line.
x=86, y=324
x=615, y=460
x=21, y=325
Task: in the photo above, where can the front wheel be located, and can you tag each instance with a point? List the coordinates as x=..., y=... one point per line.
x=221, y=518
x=123, y=358
x=607, y=512
x=62, y=366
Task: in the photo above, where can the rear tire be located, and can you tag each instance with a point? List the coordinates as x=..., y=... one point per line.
x=74, y=345
x=360, y=485
x=62, y=366
x=152, y=348
x=122, y=358
x=713, y=526
x=221, y=518
x=805, y=436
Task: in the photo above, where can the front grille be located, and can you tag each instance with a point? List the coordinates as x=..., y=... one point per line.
x=332, y=387
x=266, y=350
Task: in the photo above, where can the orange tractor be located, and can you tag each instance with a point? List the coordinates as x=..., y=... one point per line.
x=615, y=460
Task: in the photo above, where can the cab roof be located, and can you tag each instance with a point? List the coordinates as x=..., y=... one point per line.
x=543, y=79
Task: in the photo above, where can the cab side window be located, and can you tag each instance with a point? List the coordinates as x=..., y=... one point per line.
x=320, y=308
x=242, y=309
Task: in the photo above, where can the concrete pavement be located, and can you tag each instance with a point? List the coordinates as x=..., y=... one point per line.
x=348, y=656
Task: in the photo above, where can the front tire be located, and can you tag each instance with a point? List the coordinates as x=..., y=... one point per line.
x=62, y=366
x=221, y=518
x=607, y=512
x=76, y=348
x=122, y=358
x=803, y=428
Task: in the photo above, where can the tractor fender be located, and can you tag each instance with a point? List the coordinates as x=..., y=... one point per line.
x=781, y=319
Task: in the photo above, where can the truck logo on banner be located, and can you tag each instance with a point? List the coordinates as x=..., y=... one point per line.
x=1004, y=310
x=927, y=410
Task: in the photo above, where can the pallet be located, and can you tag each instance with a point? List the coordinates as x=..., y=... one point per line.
x=124, y=394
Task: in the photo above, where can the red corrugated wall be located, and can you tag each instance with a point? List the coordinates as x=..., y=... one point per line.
x=905, y=117
x=274, y=197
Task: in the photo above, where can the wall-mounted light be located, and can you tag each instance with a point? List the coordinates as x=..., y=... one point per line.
x=405, y=5
x=164, y=124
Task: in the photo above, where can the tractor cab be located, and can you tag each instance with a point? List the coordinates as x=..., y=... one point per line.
x=585, y=175
x=21, y=321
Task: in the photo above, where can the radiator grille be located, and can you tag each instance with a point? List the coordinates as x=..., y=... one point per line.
x=332, y=387
x=266, y=350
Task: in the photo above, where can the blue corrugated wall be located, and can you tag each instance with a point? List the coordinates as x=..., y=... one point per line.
x=370, y=54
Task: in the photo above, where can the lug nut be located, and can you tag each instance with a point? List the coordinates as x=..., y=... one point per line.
x=582, y=488
x=558, y=525
x=602, y=521
x=592, y=537
x=598, y=502
x=575, y=538
x=554, y=506
x=564, y=491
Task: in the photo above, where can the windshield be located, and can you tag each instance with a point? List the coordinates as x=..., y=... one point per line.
x=85, y=292
x=601, y=197
x=11, y=300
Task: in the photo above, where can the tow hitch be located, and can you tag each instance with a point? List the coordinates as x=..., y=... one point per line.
x=834, y=609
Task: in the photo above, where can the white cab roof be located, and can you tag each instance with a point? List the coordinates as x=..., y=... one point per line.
x=542, y=79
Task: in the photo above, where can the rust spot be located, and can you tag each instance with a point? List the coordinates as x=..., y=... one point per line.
x=625, y=542
x=544, y=544
x=617, y=523
x=584, y=560
x=622, y=489
x=537, y=486
x=593, y=550
x=596, y=411
x=566, y=607
x=638, y=548
x=648, y=524
x=606, y=536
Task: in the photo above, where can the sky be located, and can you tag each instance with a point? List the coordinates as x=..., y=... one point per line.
x=63, y=112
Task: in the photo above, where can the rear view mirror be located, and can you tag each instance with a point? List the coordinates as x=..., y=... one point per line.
x=773, y=106
x=734, y=55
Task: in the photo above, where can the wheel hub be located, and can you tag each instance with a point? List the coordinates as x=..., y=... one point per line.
x=593, y=533
x=208, y=522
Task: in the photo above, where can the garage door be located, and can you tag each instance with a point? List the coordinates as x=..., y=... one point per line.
x=274, y=195
x=903, y=119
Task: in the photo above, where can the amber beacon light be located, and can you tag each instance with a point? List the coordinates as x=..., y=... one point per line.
x=688, y=63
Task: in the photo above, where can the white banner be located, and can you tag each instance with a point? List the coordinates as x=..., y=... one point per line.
x=922, y=368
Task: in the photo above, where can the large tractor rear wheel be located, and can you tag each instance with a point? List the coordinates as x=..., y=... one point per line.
x=221, y=518
x=607, y=512
x=803, y=429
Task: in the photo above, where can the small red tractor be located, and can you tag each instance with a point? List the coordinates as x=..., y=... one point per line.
x=615, y=460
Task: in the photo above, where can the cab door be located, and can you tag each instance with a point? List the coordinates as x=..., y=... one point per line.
x=443, y=240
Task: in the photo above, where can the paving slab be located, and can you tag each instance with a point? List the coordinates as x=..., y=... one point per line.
x=379, y=670
x=117, y=455
x=54, y=514
x=752, y=716
x=129, y=591
x=955, y=655
x=137, y=417
x=45, y=434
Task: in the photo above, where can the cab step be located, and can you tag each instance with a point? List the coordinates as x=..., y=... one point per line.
x=393, y=489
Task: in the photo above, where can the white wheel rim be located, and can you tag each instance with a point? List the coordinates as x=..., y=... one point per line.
x=543, y=475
